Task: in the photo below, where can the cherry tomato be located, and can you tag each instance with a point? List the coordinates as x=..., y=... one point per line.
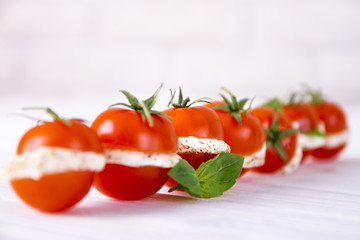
x=304, y=114
x=334, y=120
x=122, y=129
x=200, y=122
x=125, y=129
x=245, y=138
x=57, y=191
x=273, y=161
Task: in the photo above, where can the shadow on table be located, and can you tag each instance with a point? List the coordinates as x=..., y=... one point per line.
x=104, y=206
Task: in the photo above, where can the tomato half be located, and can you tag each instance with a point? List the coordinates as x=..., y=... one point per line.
x=245, y=138
x=273, y=161
x=334, y=120
x=200, y=122
x=54, y=192
x=125, y=129
x=57, y=191
x=304, y=114
x=122, y=129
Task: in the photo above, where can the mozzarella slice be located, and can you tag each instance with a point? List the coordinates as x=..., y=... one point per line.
x=294, y=162
x=311, y=142
x=256, y=159
x=138, y=159
x=336, y=139
x=47, y=160
x=201, y=145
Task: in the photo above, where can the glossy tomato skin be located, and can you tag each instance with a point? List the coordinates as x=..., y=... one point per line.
x=199, y=121
x=245, y=138
x=122, y=129
x=130, y=183
x=273, y=161
x=304, y=114
x=57, y=191
x=54, y=192
x=74, y=136
x=334, y=119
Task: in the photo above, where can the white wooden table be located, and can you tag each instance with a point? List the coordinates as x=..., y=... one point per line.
x=319, y=201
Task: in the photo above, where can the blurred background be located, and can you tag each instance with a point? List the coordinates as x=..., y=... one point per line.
x=74, y=55
x=73, y=49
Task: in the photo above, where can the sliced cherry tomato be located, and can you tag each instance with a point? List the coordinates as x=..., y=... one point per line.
x=199, y=122
x=124, y=182
x=274, y=161
x=244, y=138
x=334, y=120
x=242, y=130
x=54, y=192
x=60, y=190
x=125, y=129
x=142, y=131
x=304, y=114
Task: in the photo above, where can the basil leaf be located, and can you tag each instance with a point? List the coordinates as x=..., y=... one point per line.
x=219, y=174
x=186, y=177
x=316, y=132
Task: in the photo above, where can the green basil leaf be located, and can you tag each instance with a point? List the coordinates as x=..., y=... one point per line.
x=187, y=179
x=274, y=103
x=316, y=132
x=219, y=174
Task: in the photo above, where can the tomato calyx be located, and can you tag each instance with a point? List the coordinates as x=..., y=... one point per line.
x=274, y=103
x=234, y=107
x=49, y=111
x=143, y=107
x=184, y=103
x=274, y=136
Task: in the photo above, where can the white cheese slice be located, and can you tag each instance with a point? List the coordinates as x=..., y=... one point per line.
x=256, y=159
x=334, y=140
x=201, y=145
x=138, y=159
x=47, y=160
x=311, y=142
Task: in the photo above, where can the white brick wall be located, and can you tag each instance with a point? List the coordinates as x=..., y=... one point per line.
x=259, y=47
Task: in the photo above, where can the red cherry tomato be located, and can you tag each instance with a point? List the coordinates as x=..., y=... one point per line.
x=130, y=183
x=57, y=191
x=304, y=114
x=273, y=161
x=200, y=122
x=334, y=120
x=124, y=129
x=245, y=138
